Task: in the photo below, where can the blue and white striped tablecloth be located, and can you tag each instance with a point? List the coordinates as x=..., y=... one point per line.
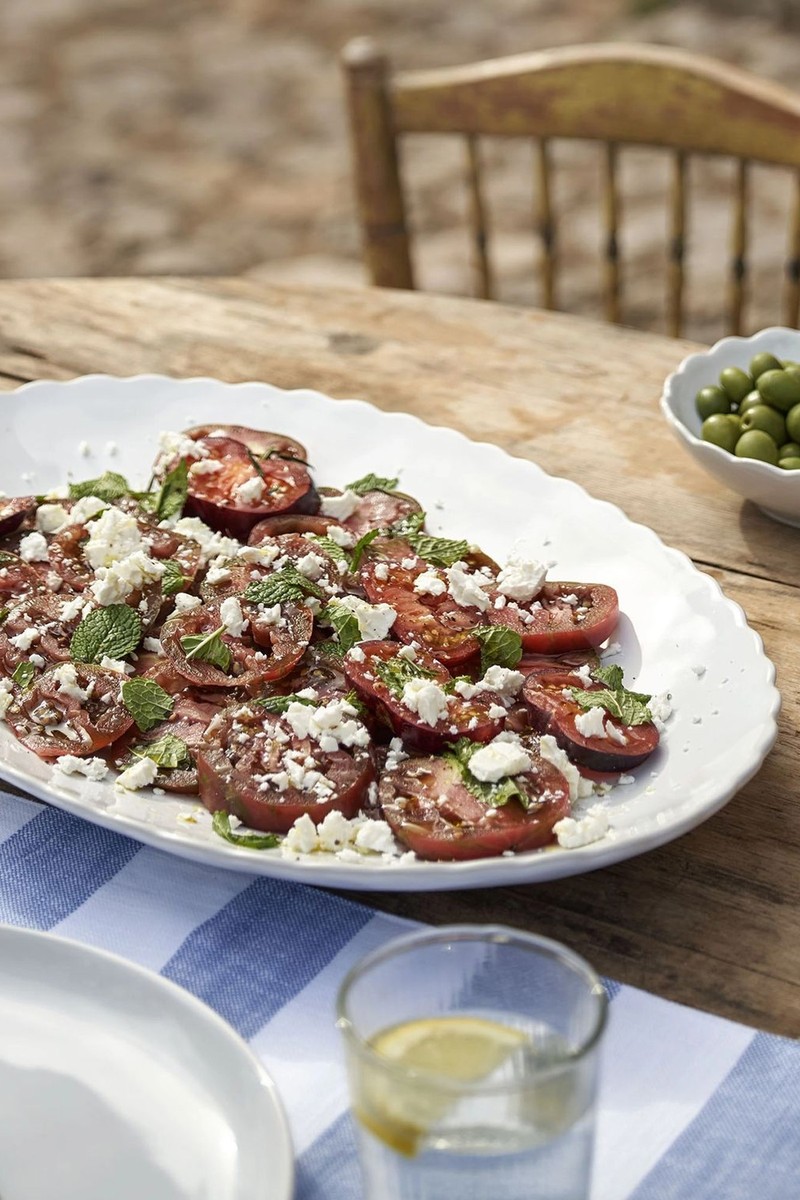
x=692, y=1107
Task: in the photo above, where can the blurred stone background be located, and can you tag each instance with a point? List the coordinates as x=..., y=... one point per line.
x=208, y=136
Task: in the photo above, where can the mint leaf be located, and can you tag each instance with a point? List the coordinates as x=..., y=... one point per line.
x=330, y=649
x=7, y=560
x=282, y=586
x=208, y=647
x=345, y=624
x=110, y=486
x=173, y=580
x=356, y=554
x=330, y=547
x=372, y=483
x=4, y=613
x=171, y=496
x=147, y=702
x=495, y=795
x=396, y=672
x=500, y=646
x=440, y=552
x=407, y=525
x=221, y=824
x=23, y=674
x=631, y=708
x=279, y=704
x=114, y=631
x=169, y=752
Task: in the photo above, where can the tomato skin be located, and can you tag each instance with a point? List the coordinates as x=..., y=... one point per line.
x=435, y=815
x=212, y=498
x=13, y=511
x=229, y=771
x=272, y=527
x=40, y=609
x=258, y=441
x=17, y=578
x=407, y=724
x=188, y=721
x=376, y=510
x=558, y=627
x=94, y=723
x=551, y=712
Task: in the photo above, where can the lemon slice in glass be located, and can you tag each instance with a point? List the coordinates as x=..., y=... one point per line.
x=401, y=1109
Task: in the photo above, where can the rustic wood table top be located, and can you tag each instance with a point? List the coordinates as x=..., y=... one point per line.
x=710, y=920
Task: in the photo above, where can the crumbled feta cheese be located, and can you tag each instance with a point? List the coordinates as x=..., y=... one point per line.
x=50, y=518
x=217, y=574
x=205, y=466
x=112, y=585
x=212, y=545
x=230, y=614
x=591, y=723
x=340, y=507
x=342, y=537
x=374, y=620
x=396, y=754
x=356, y=654
x=496, y=712
x=184, y=602
x=521, y=579
x=331, y=724
x=381, y=571
x=615, y=734
x=430, y=584
x=660, y=710
x=502, y=680
x=251, y=491
x=572, y=832
x=111, y=449
x=426, y=699
x=153, y=645
x=376, y=837
x=311, y=566
x=37, y=660
x=584, y=673
x=92, y=768
x=84, y=449
x=498, y=760
x=551, y=752
x=67, y=678
x=468, y=590
x=23, y=641
x=140, y=774
x=263, y=555
x=302, y=837
x=177, y=445
x=334, y=831
x=33, y=548
x=6, y=697
x=84, y=509
x=114, y=535
x=699, y=670
x=116, y=664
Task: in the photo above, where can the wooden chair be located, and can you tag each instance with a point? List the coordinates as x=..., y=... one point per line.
x=620, y=95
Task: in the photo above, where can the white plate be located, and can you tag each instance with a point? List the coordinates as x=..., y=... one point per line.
x=116, y=1083
x=678, y=633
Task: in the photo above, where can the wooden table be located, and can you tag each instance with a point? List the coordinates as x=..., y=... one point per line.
x=710, y=920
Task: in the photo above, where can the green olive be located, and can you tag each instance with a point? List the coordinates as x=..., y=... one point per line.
x=761, y=416
x=757, y=444
x=722, y=430
x=750, y=400
x=710, y=400
x=793, y=423
x=764, y=362
x=781, y=389
x=736, y=383
x=789, y=450
x=789, y=464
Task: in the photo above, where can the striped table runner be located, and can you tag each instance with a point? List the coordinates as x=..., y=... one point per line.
x=692, y=1107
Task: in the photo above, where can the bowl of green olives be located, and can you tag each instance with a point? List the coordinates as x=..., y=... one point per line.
x=736, y=408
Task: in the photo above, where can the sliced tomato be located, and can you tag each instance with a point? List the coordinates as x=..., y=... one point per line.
x=553, y=711
x=188, y=722
x=432, y=812
x=465, y=718
x=14, y=510
x=41, y=611
x=17, y=578
x=549, y=624
x=258, y=441
x=376, y=510
x=287, y=488
x=51, y=721
x=242, y=768
x=272, y=527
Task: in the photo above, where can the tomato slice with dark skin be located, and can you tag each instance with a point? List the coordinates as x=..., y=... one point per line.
x=272, y=527
x=51, y=722
x=14, y=511
x=246, y=745
x=287, y=488
x=553, y=712
x=42, y=611
x=17, y=578
x=376, y=510
x=188, y=721
x=251, y=667
x=258, y=441
x=432, y=812
x=556, y=626
x=465, y=718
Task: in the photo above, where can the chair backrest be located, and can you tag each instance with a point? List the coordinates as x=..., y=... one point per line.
x=619, y=95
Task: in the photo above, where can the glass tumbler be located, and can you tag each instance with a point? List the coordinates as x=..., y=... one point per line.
x=472, y=1059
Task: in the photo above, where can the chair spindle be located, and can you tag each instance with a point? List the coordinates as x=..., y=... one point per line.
x=546, y=224
x=612, y=234
x=477, y=222
x=677, y=245
x=739, y=247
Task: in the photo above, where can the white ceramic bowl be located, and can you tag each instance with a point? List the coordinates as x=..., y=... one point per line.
x=776, y=492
